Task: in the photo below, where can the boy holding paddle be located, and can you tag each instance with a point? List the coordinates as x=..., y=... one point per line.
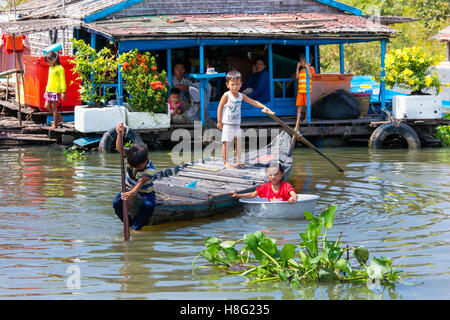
x=229, y=116
x=140, y=171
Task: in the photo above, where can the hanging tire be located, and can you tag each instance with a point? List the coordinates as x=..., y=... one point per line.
x=108, y=142
x=392, y=135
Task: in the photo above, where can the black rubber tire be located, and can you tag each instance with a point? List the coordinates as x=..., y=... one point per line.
x=402, y=129
x=108, y=142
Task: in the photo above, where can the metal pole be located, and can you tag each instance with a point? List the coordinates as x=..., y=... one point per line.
x=341, y=50
x=383, y=74
x=308, y=86
x=19, y=114
x=271, y=84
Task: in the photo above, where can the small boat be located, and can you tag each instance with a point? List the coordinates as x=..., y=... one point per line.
x=263, y=208
x=204, y=187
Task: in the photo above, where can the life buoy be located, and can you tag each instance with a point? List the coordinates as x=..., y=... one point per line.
x=383, y=134
x=108, y=141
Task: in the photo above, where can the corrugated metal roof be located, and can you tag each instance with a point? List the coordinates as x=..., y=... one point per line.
x=37, y=25
x=281, y=25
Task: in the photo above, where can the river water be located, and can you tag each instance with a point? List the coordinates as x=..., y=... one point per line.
x=60, y=239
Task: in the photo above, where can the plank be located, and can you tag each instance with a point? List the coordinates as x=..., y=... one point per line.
x=164, y=187
x=208, y=184
x=214, y=177
x=253, y=175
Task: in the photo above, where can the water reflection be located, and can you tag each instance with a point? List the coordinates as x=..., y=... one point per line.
x=56, y=214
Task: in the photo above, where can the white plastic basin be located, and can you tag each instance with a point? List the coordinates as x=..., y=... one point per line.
x=262, y=207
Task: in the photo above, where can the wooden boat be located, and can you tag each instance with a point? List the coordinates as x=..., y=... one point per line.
x=215, y=183
x=262, y=207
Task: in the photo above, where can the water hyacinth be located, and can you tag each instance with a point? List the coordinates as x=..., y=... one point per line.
x=314, y=258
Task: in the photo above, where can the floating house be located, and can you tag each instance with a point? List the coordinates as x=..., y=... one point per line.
x=221, y=34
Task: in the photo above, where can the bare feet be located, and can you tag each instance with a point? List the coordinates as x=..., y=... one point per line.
x=240, y=165
x=135, y=231
x=228, y=165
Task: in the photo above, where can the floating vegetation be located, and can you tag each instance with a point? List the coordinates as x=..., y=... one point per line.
x=72, y=154
x=315, y=258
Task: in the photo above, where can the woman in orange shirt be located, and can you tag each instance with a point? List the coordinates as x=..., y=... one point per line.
x=301, y=94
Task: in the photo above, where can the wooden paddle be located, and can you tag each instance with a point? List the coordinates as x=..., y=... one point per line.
x=301, y=138
x=126, y=223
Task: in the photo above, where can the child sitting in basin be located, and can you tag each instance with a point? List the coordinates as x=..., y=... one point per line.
x=140, y=171
x=275, y=188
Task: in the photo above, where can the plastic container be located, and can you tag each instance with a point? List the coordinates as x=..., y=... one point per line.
x=364, y=101
x=35, y=80
x=57, y=47
x=326, y=83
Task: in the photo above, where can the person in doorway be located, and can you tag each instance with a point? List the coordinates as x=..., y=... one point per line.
x=180, y=82
x=177, y=114
x=56, y=87
x=229, y=116
x=275, y=189
x=303, y=68
x=259, y=81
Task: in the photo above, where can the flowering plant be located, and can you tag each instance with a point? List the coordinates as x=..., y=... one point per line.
x=94, y=69
x=146, y=85
x=409, y=68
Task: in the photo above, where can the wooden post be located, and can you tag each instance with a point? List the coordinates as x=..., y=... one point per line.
x=126, y=223
x=19, y=114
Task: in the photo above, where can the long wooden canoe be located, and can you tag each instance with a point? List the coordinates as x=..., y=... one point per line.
x=215, y=183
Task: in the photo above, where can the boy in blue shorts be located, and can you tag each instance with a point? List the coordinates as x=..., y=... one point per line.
x=140, y=171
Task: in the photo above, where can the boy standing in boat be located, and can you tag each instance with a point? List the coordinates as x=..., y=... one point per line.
x=140, y=171
x=229, y=116
x=276, y=188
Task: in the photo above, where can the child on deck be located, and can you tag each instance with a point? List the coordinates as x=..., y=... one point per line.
x=275, y=188
x=56, y=86
x=140, y=171
x=301, y=102
x=177, y=114
x=229, y=115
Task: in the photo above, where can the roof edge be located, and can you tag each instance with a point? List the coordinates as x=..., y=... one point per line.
x=110, y=10
x=342, y=6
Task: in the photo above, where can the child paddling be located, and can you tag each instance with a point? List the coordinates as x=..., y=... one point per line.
x=275, y=188
x=140, y=171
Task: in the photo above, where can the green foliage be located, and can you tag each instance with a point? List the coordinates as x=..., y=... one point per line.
x=443, y=134
x=147, y=85
x=410, y=68
x=318, y=258
x=94, y=69
x=364, y=58
x=72, y=154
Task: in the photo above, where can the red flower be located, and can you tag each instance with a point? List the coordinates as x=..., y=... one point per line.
x=154, y=68
x=126, y=64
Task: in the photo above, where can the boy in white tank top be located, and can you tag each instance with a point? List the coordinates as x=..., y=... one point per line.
x=229, y=116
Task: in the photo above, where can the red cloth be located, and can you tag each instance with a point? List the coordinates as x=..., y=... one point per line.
x=265, y=191
x=8, y=43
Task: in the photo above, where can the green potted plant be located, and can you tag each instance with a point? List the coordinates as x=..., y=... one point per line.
x=411, y=69
x=147, y=88
x=94, y=70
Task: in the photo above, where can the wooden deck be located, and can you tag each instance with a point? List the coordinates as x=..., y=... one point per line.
x=34, y=129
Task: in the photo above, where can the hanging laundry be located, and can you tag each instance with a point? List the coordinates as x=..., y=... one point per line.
x=11, y=43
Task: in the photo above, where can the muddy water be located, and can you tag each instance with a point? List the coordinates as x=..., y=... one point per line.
x=60, y=239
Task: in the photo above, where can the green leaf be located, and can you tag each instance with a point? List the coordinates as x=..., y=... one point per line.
x=328, y=216
x=251, y=241
x=212, y=241
x=227, y=244
x=288, y=252
x=231, y=254
x=326, y=274
x=361, y=254
x=305, y=259
x=344, y=266
x=269, y=246
x=259, y=235
x=310, y=216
